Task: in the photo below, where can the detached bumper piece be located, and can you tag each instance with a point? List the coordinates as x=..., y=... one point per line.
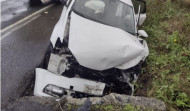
x=50, y=84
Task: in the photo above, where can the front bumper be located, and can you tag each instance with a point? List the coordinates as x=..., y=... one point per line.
x=44, y=78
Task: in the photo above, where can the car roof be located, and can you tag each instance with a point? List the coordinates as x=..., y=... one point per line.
x=127, y=2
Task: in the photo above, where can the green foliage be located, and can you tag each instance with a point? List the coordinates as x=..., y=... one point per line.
x=168, y=26
x=108, y=108
x=182, y=100
x=129, y=107
x=69, y=107
x=170, y=95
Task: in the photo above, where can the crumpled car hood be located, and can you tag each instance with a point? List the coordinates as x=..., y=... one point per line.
x=100, y=47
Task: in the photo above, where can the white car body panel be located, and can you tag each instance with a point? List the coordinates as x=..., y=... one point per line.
x=44, y=78
x=58, y=31
x=127, y=2
x=142, y=18
x=95, y=46
x=100, y=47
x=125, y=55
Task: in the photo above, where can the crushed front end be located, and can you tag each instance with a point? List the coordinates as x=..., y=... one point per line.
x=61, y=75
x=89, y=59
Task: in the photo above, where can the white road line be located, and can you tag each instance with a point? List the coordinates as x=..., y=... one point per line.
x=28, y=17
x=20, y=26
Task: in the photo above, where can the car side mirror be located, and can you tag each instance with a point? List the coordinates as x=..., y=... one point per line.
x=142, y=33
x=136, y=4
x=140, y=18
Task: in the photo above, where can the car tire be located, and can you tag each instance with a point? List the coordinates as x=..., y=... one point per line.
x=45, y=61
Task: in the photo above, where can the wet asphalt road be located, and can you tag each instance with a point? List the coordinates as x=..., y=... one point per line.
x=14, y=10
x=22, y=51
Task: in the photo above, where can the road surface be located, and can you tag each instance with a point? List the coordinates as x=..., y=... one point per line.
x=14, y=10
x=22, y=48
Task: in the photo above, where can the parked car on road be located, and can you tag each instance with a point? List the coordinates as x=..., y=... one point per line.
x=95, y=48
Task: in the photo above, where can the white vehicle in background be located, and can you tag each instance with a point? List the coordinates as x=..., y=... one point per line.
x=96, y=48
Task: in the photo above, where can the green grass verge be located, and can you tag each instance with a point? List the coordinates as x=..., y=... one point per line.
x=167, y=74
x=110, y=107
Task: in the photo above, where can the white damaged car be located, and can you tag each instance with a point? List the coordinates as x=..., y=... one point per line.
x=96, y=48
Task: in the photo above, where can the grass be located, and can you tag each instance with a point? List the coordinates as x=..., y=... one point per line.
x=167, y=74
x=109, y=107
x=127, y=107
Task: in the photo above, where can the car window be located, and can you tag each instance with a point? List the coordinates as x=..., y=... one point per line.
x=110, y=12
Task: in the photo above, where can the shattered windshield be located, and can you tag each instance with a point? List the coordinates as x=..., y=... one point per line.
x=110, y=12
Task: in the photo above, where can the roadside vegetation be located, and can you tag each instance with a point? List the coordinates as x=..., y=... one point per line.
x=167, y=72
x=110, y=107
x=127, y=107
x=166, y=75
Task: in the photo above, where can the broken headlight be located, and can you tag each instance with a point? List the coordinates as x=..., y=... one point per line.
x=54, y=90
x=57, y=64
